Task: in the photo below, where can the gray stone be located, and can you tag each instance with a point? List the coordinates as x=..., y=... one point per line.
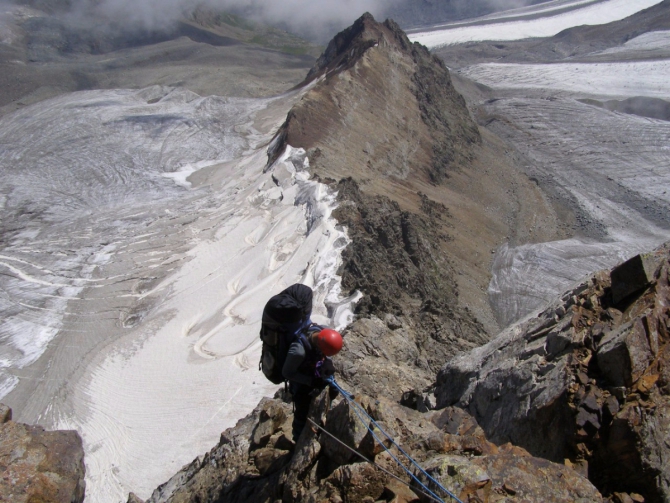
x=5, y=413
x=392, y=322
x=624, y=354
x=586, y=419
x=557, y=342
x=590, y=403
x=633, y=275
x=345, y=425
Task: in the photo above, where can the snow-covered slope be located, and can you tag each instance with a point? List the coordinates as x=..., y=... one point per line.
x=544, y=20
x=140, y=239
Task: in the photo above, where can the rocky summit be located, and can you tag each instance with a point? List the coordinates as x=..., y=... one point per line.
x=569, y=405
x=256, y=461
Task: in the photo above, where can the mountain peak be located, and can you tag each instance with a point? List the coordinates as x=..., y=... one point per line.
x=384, y=101
x=348, y=45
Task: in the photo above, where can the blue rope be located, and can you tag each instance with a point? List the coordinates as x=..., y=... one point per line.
x=407, y=470
x=356, y=407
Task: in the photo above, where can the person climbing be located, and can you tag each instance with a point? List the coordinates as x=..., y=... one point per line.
x=295, y=350
x=308, y=368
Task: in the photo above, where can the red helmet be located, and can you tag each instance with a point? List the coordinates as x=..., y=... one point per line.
x=329, y=341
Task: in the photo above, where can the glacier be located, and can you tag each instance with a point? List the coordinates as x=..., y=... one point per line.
x=142, y=233
x=543, y=20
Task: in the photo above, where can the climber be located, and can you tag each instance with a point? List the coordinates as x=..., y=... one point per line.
x=307, y=368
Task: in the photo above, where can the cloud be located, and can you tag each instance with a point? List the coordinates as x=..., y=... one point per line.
x=315, y=19
x=318, y=19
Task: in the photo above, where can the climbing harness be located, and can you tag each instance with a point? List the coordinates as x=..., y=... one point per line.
x=360, y=412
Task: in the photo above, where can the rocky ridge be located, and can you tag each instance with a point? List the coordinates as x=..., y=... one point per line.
x=381, y=108
x=586, y=382
x=255, y=461
x=383, y=125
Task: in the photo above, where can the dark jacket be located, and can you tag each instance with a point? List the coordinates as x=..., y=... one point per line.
x=301, y=362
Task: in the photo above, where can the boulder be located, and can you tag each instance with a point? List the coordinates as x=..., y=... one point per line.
x=271, y=419
x=39, y=465
x=633, y=275
x=269, y=460
x=5, y=413
x=352, y=428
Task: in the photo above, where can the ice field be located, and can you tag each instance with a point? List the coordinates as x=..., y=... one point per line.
x=607, y=80
x=614, y=168
x=544, y=20
x=141, y=237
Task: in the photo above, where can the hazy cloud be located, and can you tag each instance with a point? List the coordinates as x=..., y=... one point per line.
x=315, y=18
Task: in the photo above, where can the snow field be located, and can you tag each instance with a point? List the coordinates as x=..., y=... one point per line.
x=150, y=225
x=587, y=13
x=619, y=80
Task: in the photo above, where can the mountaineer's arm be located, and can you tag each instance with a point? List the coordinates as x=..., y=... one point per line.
x=294, y=358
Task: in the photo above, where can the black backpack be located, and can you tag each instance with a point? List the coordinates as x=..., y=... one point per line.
x=283, y=316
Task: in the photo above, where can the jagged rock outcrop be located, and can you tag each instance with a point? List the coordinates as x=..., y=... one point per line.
x=588, y=380
x=38, y=465
x=255, y=461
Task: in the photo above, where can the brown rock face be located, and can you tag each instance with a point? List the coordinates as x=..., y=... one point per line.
x=39, y=465
x=388, y=103
x=321, y=469
x=587, y=380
